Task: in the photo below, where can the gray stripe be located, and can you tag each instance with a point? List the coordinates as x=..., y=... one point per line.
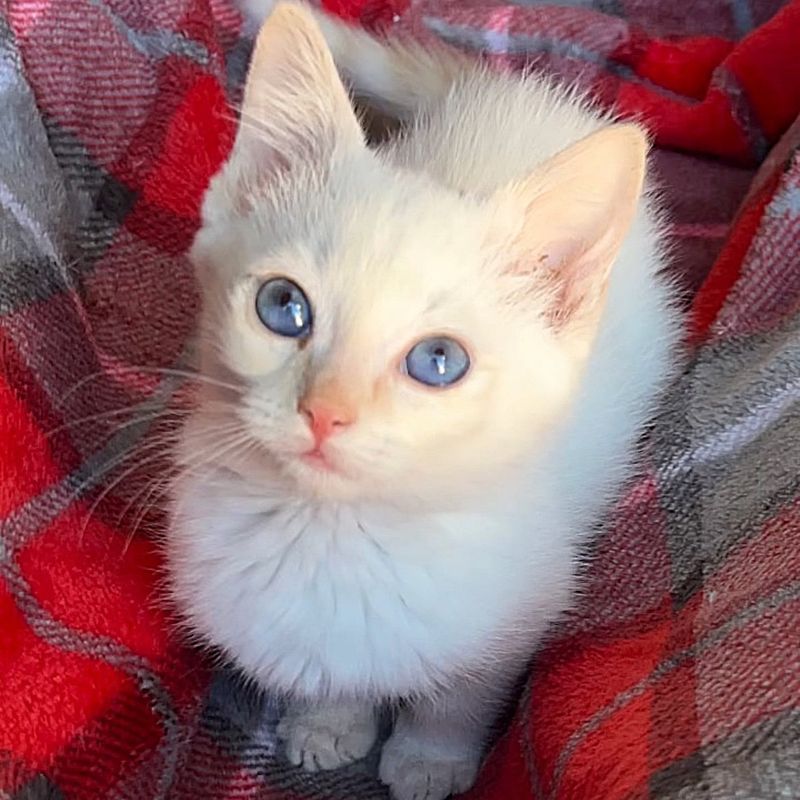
x=526, y=739
x=24, y=219
x=237, y=60
x=56, y=634
x=717, y=635
x=684, y=515
x=241, y=721
x=524, y=44
x=760, y=761
x=156, y=44
x=742, y=414
x=40, y=787
x=742, y=112
x=612, y=8
x=41, y=188
x=742, y=16
x=21, y=525
x=38, y=221
x=735, y=436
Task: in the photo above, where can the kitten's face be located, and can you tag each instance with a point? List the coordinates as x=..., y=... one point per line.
x=386, y=262
x=418, y=342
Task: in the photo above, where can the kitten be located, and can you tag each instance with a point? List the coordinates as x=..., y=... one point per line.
x=423, y=368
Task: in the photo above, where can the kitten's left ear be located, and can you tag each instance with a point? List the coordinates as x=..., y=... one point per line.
x=577, y=208
x=295, y=112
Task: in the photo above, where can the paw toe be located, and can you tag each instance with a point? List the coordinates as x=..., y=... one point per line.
x=322, y=741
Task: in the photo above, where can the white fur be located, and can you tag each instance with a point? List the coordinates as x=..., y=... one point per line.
x=430, y=567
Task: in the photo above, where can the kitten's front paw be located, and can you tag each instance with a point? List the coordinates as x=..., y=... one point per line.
x=329, y=736
x=417, y=769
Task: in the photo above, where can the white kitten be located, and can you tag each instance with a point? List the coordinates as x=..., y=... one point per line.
x=425, y=367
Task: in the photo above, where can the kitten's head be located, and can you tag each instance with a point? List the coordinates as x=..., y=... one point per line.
x=391, y=337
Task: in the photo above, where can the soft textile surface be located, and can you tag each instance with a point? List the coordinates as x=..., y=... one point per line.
x=679, y=674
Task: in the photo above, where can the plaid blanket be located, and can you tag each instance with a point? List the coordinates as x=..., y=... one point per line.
x=679, y=674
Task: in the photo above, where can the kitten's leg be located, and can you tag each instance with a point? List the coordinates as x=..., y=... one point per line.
x=437, y=745
x=328, y=735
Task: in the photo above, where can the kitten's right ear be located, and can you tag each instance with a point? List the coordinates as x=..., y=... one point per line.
x=295, y=112
x=577, y=209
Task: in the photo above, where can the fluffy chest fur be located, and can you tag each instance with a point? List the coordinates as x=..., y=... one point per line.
x=340, y=600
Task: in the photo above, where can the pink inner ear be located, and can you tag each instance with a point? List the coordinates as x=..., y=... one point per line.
x=563, y=271
x=570, y=299
x=578, y=208
x=578, y=274
x=295, y=111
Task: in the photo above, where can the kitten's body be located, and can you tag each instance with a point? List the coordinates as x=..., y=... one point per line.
x=430, y=566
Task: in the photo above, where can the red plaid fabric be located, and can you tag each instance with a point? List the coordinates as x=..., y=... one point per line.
x=679, y=674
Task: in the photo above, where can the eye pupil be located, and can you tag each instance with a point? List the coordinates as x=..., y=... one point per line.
x=284, y=308
x=438, y=361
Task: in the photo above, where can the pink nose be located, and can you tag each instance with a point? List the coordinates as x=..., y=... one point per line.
x=324, y=419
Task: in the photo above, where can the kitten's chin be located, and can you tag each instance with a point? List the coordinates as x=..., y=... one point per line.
x=320, y=477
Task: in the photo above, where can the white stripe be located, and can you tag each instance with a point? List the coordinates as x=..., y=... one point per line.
x=17, y=209
x=736, y=436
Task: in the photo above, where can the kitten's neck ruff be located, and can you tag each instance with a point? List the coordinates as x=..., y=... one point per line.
x=323, y=599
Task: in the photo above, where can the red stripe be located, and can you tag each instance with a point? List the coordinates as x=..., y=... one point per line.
x=728, y=266
x=767, y=67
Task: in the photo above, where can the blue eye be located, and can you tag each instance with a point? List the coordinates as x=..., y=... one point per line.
x=438, y=361
x=283, y=308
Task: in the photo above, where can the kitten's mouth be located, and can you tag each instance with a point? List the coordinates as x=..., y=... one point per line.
x=318, y=460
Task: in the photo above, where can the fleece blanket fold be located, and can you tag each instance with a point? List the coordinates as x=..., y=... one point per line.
x=678, y=675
